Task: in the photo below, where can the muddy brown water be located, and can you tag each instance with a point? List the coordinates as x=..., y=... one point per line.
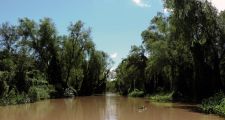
x=107, y=107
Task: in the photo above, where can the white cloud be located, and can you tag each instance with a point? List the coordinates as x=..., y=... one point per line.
x=113, y=55
x=141, y=3
x=219, y=4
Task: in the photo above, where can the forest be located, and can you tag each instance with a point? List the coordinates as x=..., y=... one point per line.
x=182, y=54
x=36, y=63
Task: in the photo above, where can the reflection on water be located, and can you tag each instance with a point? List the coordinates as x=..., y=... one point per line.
x=108, y=107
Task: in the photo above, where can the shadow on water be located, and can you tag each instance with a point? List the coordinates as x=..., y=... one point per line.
x=191, y=107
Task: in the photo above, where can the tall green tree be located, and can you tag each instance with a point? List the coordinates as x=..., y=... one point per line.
x=77, y=46
x=131, y=71
x=191, y=20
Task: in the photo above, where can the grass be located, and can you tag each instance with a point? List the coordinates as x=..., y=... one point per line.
x=214, y=104
x=162, y=97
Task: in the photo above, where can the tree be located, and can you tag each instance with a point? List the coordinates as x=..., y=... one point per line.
x=185, y=52
x=191, y=19
x=77, y=47
x=131, y=71
x=8, y=37
x=37, y=63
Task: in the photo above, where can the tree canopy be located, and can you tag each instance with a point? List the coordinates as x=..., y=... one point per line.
x=184, y=53
x=38, y=62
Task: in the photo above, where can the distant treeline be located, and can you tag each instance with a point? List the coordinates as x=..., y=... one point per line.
x=37, y=63
x=183, y=51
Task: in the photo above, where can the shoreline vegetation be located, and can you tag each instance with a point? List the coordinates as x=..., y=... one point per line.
x=36, y=63
x=182, y=51
x=211, y=105
x=214, y=104
x=161, y=97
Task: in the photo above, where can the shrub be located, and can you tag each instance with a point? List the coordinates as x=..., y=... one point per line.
x=22, y=98
x=214, y=104
x=38, y=93
x=3, y=83
x=13, y=98
x=69, y=92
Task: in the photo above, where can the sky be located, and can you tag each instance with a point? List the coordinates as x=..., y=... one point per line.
x=115, y=24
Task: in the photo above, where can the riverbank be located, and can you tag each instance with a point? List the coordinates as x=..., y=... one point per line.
x=212, y=105
x=34, y=94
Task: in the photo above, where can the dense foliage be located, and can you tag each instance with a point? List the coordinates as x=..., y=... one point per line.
x=183, y=51
x=37, y=63
x=214, y=104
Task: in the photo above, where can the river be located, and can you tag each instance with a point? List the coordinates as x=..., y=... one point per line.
x=107, y=107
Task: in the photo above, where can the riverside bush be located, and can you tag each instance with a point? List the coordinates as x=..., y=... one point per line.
x=69, y=92
x=38, y=93
x=214, y=104
x=13, y=98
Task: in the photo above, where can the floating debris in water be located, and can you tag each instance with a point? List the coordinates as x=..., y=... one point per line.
x=142, y=108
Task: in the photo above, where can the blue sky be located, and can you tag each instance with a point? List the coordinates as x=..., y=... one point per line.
x=115, y=24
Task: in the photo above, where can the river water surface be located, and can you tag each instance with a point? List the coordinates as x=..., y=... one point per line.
x=108, y=107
